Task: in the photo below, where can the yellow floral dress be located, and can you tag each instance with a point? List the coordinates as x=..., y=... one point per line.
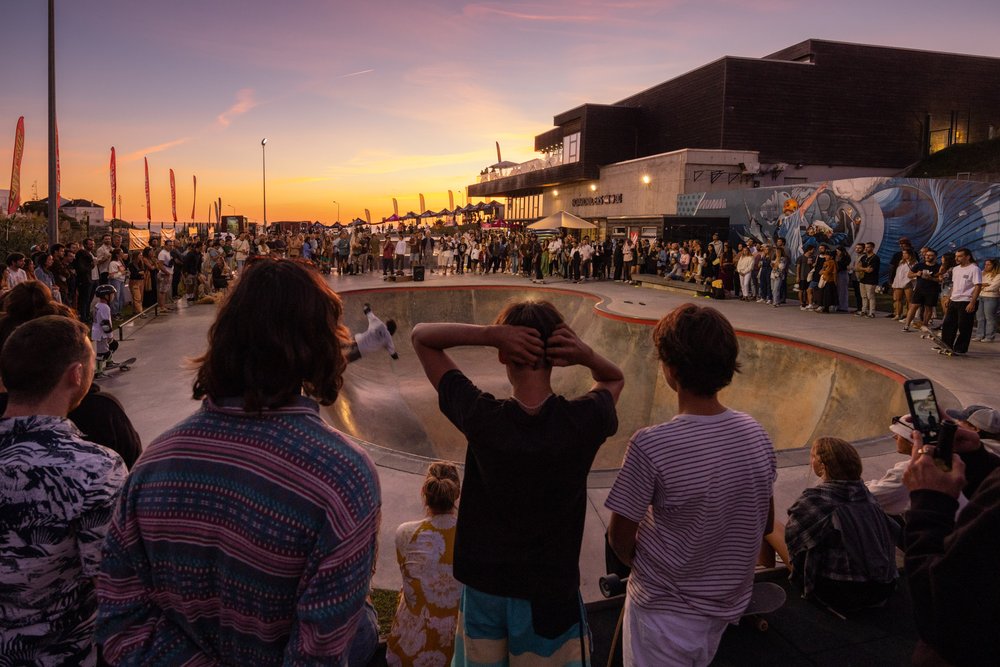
x=423, y=630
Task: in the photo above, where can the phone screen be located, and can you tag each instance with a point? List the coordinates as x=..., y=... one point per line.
x=923, y=408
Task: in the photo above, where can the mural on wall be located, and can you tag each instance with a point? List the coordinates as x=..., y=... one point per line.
x=941, y=214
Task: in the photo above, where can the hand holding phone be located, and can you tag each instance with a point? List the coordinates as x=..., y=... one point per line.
x=924, y=412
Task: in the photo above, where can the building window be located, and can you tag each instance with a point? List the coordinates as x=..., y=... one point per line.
x=571, y=148
x=524, y=208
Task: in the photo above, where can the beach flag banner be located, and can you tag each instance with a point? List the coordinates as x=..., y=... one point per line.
x=217, y=208
x=58, y=171
x=149, y=212
x=138, y=239
x=395, y=207
x=422, y=207
x=368, y=216
x=168, y=234
x=173, y=196
x=194, y=196
x=498, y=153
x=451, y=200
x=114, y=185
x=15, y=171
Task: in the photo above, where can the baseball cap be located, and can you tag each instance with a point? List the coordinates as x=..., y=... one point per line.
x=983, y=417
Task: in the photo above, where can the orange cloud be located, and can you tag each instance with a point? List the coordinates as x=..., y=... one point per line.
x=244, y=102
x=149, y=150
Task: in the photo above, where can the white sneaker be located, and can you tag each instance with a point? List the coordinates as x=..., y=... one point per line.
x=803, y=307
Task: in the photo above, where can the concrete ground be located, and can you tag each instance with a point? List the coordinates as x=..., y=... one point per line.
x=156, y=393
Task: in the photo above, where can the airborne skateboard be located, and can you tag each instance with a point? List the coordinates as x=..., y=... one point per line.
x=941, y=346
x=121, y=367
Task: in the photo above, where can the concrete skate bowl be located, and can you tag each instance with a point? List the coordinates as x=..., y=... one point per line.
x=797, y=391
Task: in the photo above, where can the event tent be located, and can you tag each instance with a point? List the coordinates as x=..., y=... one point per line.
x=562, y=219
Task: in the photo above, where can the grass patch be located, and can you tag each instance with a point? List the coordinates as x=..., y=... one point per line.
x=385, y=602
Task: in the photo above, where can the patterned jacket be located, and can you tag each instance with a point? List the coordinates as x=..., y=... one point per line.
x=57, y=493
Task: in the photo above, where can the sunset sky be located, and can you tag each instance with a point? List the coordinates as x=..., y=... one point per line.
x=365, y=101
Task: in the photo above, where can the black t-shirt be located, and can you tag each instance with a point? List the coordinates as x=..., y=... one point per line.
x=926, y=284
x=524, y=497
x=870, y=278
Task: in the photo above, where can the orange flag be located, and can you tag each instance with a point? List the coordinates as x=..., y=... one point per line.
x=114, y=185
x=422, y=207
x=173, y=196
x=194, y=197
x=451, y=200
x=149, y=212
x=15, y=171
x=395, y=207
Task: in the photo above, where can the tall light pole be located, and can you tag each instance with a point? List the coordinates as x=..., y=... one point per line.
x=53, y=169
x=263, y=162
x=338, y=210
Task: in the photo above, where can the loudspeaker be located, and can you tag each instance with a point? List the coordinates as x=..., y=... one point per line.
x=418, y=273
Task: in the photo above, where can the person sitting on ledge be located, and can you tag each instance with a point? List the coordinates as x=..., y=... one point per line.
x=841, y=543
x=423, y=629
x=519, y=532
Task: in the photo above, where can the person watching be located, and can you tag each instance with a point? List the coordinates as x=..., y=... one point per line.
x=57, y=496
x=247, y=532
x=423, y=629
x=951, y=563
x=528, y=456
x=841, y=543
x=692, y=501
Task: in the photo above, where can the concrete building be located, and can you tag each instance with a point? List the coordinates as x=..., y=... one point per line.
x=816, y=111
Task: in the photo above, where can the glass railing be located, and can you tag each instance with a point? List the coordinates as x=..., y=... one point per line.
x=553, y=160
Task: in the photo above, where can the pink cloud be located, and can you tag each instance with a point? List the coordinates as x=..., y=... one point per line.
x=244, y=102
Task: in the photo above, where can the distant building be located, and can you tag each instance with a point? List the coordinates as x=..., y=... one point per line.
x=816, y=111
x=83, y=211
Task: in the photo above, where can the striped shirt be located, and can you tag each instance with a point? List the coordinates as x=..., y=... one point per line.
x=699, y=487
x=241, y=539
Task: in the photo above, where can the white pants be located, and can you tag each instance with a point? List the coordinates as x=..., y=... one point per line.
x=666, y=639
x=747, y=288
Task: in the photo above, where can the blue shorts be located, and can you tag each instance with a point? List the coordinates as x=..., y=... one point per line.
x=495, y=630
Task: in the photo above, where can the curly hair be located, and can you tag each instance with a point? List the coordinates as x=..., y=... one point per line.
x=278, y=334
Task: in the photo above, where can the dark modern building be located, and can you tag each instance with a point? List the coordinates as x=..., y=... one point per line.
x=817, y=110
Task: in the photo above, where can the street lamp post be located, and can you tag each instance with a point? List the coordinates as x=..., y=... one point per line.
x=263, y=162
x=338, y=210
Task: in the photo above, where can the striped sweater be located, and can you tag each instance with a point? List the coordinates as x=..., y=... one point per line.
x=240, y=539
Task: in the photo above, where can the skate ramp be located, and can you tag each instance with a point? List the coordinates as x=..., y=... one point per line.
x=797, y=391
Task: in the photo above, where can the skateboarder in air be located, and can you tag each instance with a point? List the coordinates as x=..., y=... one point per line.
x=517, y=545
x=377, y=337
x=692, y=501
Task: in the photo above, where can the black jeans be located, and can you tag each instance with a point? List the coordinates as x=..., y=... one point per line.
x=956, y=330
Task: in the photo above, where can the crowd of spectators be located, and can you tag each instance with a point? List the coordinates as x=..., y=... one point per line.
x=246, y=534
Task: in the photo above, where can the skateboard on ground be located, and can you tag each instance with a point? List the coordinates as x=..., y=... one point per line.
x=942, y=347
x=121, y=366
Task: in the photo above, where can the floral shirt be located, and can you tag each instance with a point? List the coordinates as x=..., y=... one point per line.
x=423, y=631
x=56, y=497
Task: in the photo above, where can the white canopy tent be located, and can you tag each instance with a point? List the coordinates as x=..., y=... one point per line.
x=562, y=219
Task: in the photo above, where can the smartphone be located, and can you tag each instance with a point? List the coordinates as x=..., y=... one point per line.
x=924, y=413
